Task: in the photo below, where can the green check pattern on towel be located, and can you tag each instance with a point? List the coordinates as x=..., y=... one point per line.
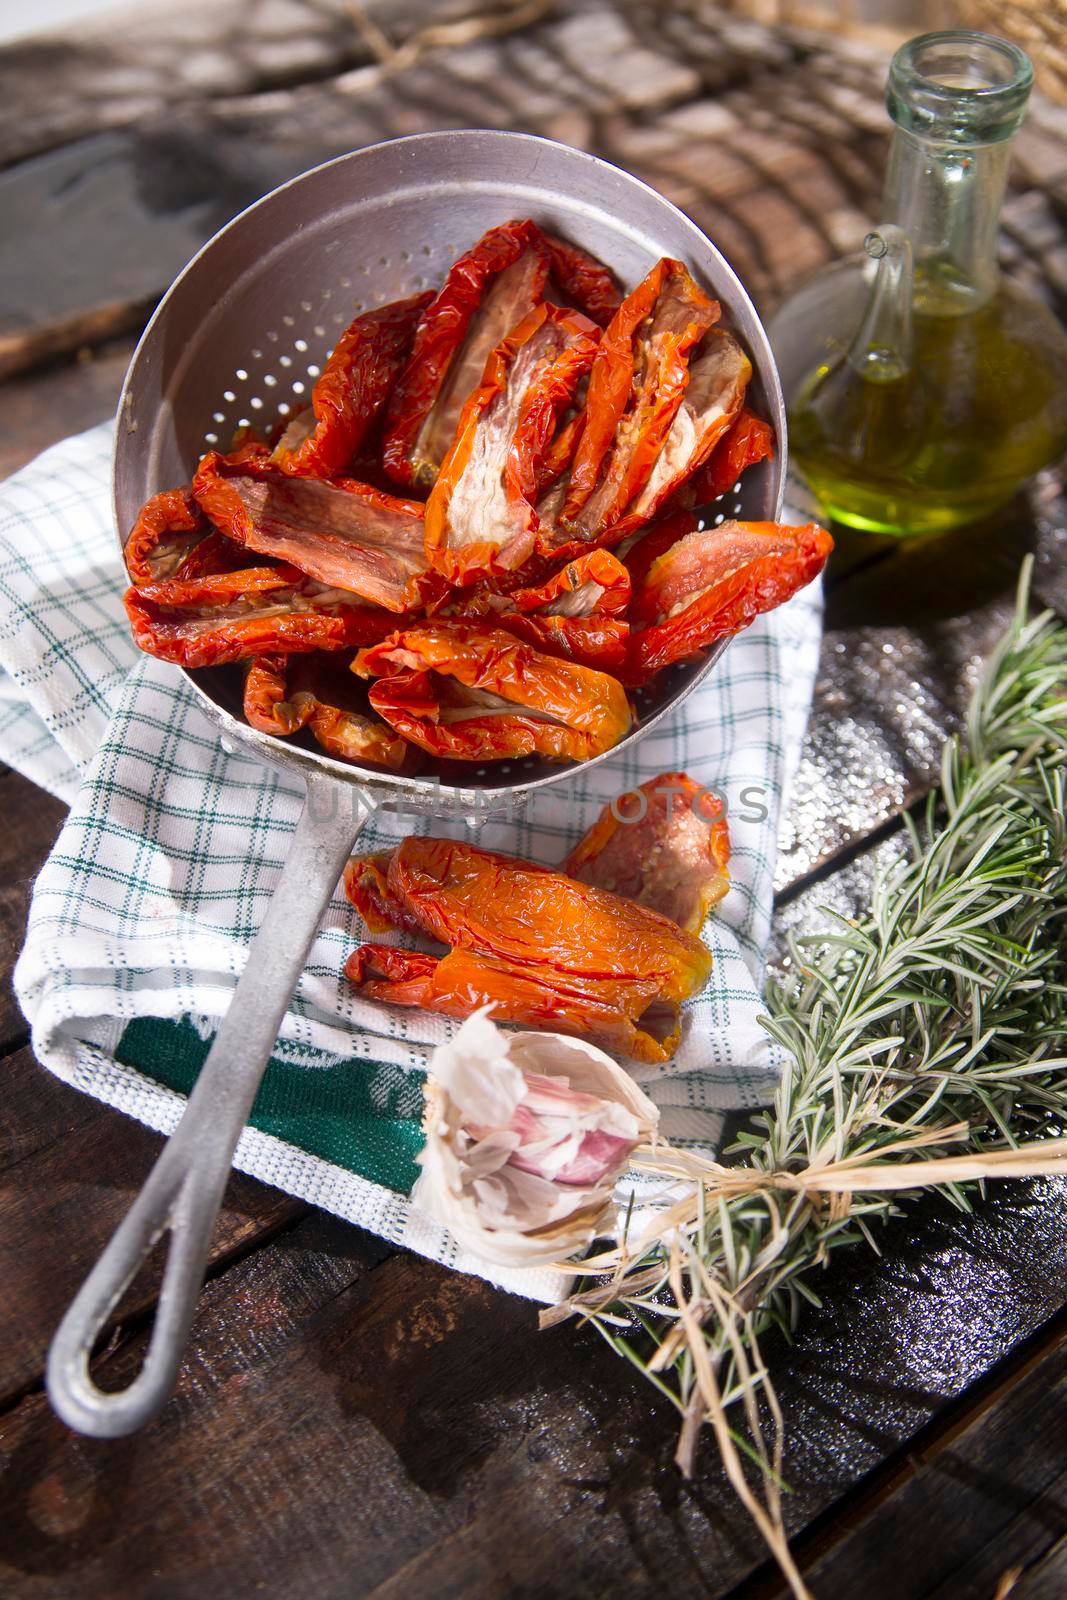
x=142, y=916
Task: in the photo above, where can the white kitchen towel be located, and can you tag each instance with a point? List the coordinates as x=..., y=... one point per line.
x=142, y=916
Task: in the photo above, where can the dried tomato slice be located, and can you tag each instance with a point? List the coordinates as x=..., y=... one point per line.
x=475, y=693
x=283, y=694
x=635, y=389
x=599, y=642
x=666, y=845
x=212, y=554
x=625, y=1017
x=268, y=704
x=718, y=378
x=596, y=583
x=560, y=452
x=638, y=553
x=355, y=383
x=488, y=290
x=169, y=526
x=716, y=581
x=480, y=516
x=584, y=280
x=203, y=622
x=546, y=950
x=749, y=441
x=345, y=534
x=519, y=912
x=366, y=883
x=576, y=613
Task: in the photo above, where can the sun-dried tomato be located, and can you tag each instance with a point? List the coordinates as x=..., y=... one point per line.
x=626, y=1017
x=560, y=452
x=575, y=613
x=550, y=951
x=268, y=704
x=366, y=883
x=715, y=582
x=749, y=441
x=211, y=555
x=345, y=534
x=584, y=280
x=665, y=845
x=596, y=583
x=317, y=692
x=168, y=528
x=635, y=389
x=355, y=384
x=513, y=909
x=638, y=554
x=476, y=693
x=718, y=378
x=599, y=642
x=487, y=291
x=230, y=616
x=480, y=516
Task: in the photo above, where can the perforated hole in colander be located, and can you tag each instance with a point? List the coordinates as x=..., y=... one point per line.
x=295, y=350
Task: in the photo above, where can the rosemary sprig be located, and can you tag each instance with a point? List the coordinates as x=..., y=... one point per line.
x=929, y=1041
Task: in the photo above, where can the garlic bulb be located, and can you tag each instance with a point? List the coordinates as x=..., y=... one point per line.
x=526, y=1135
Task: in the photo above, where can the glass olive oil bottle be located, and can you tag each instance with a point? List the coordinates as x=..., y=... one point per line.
x=923, y=387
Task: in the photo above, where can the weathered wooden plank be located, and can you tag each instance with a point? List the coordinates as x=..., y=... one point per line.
x=980, y=1504
x=776, y=149
x=116, y=69
x=94, y=231
x=905, y=639
x=792, y=119
x=1046, y=1577
x=31, y=822
x=409, y=1431
x=50, y=403
x=69, y=1169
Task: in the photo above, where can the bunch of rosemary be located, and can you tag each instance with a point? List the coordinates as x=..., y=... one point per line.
x=929, y=1047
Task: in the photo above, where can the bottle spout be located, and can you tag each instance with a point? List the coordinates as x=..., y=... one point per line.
x=881, y=352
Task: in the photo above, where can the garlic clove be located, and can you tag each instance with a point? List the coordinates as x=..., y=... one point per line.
x=526, y=1137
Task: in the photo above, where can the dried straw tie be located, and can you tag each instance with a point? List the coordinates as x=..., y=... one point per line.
x=838, y=1180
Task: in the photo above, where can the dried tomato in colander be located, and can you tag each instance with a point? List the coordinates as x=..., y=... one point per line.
x=487, y=291
x=473, y=692
x=211, y=621
x=346, y=534
x=480, y=517
x=284, y=694
x=552, y=419
x=748, y=441
x=714, y=582
x=354, y=386
x=635, y=389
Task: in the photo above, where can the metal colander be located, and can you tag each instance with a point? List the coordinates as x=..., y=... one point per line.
x=240, y=339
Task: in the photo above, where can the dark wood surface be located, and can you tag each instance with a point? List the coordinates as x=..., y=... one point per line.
x=352, y=1420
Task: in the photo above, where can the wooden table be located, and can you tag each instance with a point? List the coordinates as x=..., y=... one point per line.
x=352, y=1420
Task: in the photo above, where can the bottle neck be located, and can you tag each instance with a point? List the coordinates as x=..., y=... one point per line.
x=947, y=198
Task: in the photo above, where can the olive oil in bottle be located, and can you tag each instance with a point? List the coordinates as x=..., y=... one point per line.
x=922, y=387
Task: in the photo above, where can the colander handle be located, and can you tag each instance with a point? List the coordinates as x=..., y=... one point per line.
x=184, y=1189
